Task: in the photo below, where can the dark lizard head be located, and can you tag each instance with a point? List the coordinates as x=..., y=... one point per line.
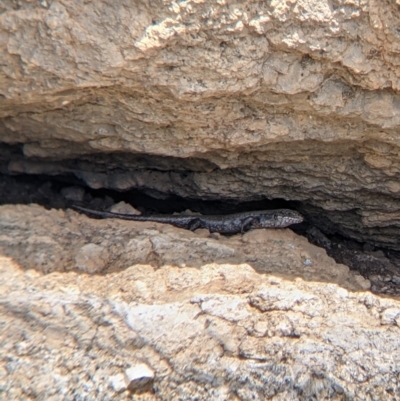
x=279, y=218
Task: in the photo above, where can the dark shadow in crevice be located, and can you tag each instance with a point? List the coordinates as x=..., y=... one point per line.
x=380, y=266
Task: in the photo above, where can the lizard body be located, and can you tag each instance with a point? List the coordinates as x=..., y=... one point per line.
x=224, y=224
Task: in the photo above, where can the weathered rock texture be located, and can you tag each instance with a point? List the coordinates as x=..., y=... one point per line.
x=50, y=241
x=177, y=327
x=242, y=100
x=208, y=100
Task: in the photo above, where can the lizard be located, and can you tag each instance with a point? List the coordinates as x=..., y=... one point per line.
x=223, y=224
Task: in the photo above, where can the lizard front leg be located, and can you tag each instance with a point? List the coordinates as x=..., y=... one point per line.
x=194, y=224
x=246, y=224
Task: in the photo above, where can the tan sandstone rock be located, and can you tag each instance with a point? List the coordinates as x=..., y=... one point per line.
x=208, y=100
x=207, y=331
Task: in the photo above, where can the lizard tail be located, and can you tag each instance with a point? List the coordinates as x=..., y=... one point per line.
x=105, y=215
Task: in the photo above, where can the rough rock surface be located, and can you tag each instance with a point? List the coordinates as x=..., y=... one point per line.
x=237, y=100
x=242, y=99
x=165, y=331
x=50, y=241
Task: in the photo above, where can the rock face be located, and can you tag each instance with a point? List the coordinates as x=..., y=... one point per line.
x=227, y=100
x=173, y=326
x=281, y=99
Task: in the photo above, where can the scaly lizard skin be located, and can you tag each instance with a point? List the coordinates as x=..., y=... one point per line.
x=224, y=224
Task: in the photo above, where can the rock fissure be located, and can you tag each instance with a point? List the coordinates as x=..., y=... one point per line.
x=379, y=264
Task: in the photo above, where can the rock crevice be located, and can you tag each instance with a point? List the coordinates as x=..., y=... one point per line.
x=294, y=100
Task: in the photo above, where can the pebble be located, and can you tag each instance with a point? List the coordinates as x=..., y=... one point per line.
x=124, y=208
x=138, y=376
x=73, y=193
